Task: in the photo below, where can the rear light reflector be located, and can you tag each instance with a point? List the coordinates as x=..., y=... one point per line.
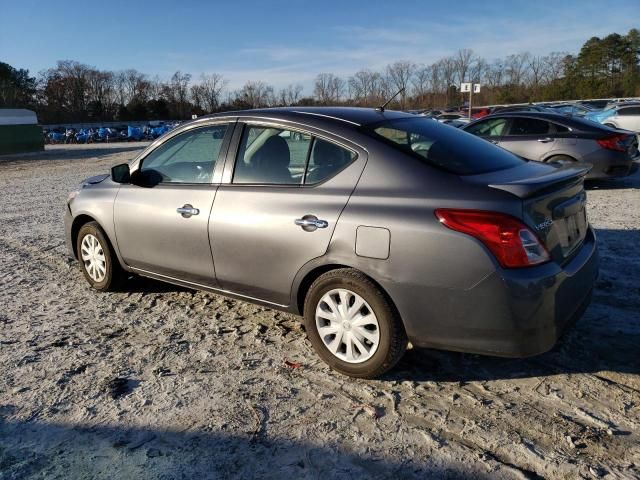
x=511, y=241
x=614, y=142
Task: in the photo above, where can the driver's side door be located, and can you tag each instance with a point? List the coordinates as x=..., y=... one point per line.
x=162, y=217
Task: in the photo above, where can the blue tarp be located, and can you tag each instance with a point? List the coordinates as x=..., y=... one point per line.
x=134, y=133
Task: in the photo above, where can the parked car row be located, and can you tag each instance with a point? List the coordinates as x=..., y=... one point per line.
x=107, y=134
x=561, y=139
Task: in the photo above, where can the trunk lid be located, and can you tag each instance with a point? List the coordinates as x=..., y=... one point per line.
x=553, y=202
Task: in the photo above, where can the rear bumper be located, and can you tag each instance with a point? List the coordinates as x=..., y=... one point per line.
x=609, y=165
x=511, y=313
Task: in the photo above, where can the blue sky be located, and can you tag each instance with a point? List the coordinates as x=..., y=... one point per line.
x=290, y=42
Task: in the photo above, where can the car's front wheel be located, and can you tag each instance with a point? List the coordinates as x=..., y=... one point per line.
x=98, y=262
x=352, y=324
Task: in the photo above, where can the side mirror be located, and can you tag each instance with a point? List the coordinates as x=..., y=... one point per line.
x=120, y=173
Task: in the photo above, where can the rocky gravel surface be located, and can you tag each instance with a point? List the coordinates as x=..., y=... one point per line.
x=159, y=381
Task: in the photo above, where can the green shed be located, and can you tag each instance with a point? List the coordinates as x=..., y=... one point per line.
x=19, y=131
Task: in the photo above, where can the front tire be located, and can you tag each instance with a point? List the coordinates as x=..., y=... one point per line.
x=352, y=324
x=98, y=261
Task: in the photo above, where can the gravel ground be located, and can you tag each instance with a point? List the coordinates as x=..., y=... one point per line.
x=165, y=382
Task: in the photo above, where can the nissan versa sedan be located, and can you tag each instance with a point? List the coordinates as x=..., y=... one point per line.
x=556, y=138
x=380, y=228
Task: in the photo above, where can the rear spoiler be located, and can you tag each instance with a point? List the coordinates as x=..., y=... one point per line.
x=556, y=179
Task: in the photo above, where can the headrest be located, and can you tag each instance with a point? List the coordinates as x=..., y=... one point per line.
x=274, y=151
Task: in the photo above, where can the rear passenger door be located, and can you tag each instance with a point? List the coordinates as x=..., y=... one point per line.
x=278, y=206
x=530, y=138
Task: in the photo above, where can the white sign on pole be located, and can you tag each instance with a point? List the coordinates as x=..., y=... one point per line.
x=476, y=88
x=465, y=87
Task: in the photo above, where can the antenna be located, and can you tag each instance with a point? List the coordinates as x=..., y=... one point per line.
x=381, y=109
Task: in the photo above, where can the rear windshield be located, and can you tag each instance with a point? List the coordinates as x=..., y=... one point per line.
x=443, y=146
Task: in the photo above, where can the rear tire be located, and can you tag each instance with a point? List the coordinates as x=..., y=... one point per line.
x=345, y=303
x=98, y=261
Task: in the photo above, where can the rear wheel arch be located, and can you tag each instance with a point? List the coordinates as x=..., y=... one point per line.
x=556, y=157
x=315, y=273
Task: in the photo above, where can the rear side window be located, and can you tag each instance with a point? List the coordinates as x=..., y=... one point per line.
x=271, y=156
x=561, y=128
x=275, y=156
x=528, y=126
x=442, y=146
x=494, y=127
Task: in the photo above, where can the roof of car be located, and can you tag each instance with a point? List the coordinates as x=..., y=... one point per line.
x=575, y=122
x=353, y=115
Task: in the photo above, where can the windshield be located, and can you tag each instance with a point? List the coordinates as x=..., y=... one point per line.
x=443, y=146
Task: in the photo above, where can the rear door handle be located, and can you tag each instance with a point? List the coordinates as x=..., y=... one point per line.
x=545, y=140
x=187, y=210
x=310, y=223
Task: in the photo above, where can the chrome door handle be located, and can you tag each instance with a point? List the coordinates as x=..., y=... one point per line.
x=311, y=222
x=545, y=140
x=187, y=210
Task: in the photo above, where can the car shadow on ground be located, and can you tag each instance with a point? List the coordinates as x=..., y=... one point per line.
x=605, y=338
x=632, y=181
x=32, y=449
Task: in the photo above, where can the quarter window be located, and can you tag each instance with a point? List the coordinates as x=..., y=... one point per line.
x=528, y=126
x=326, y=160
x=189, y=157
x=629, y=111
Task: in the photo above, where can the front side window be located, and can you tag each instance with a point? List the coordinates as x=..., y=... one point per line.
x=270, y=155
x=528, y=126
x=189, y=157
x=442, y=146
x=494, y=127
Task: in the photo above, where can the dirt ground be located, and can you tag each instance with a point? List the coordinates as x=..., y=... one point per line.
x=165, y=382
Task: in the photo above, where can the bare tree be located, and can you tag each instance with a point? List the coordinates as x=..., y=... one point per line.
x=290, y=95
x=328, y=88
x=399, y=75
x=463, y=61
x=256, y=94
x=211, y=88
x=421, y=82
x=365, y=87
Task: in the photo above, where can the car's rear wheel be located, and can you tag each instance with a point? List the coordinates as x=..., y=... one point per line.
x=352, y=324
x=98, y=262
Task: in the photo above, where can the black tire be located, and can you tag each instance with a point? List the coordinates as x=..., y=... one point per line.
x=393, y=339
x=114, y=274
x=561, y=160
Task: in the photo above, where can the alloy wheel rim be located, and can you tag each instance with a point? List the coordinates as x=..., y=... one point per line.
x=347, y=326
x=93, y=258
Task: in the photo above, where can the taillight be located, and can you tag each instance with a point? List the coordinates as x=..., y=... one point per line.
x=512, y=242
x=614, y=142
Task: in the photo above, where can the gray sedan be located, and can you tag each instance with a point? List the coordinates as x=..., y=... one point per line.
x=556, y=138
x=378, y=227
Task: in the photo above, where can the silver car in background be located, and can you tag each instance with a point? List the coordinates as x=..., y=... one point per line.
x=378, y=227
x=556, y=138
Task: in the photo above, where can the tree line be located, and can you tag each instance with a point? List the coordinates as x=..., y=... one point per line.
x=72, y=91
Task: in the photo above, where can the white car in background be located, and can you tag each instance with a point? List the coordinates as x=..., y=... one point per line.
x=625, y=118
